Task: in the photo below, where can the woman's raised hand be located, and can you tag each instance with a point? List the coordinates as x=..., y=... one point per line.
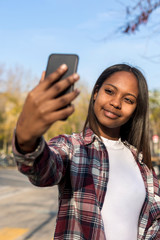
x=43, y=107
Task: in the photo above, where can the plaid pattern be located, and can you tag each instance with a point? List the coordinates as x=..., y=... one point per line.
x=80, y=167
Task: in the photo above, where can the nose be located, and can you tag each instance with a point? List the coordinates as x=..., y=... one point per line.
x=115, y=102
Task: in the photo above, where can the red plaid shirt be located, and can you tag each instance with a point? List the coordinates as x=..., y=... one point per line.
x=79, y=166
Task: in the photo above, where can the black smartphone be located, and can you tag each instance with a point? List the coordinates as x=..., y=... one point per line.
x=55, y=60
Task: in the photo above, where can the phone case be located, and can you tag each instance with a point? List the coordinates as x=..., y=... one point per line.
x=55, y=60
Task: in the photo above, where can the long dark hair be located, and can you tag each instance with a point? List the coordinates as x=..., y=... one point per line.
x=136, y=130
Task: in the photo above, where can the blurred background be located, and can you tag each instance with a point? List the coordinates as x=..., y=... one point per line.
x=102, y=33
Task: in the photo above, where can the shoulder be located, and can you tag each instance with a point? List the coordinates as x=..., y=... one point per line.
x=65, y=140
x=74, y=139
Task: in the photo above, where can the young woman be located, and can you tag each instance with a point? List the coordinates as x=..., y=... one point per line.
x=107, y=187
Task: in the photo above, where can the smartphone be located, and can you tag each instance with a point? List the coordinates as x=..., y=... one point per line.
x=55, y=60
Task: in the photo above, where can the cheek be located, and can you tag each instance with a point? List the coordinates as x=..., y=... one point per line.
x=129, y=111
x=96, y=104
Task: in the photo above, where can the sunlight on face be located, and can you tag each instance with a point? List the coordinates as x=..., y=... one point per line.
x=115, y=102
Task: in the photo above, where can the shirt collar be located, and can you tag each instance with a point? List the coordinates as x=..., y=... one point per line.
x=89, y=136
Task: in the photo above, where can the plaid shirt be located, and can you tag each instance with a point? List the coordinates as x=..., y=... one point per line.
x=80, y=167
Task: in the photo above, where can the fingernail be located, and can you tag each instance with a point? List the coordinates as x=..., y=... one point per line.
x=63, y=67
x=77, y=91
x=75, y=76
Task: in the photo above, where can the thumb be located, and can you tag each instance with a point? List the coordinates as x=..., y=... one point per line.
x=42, y=76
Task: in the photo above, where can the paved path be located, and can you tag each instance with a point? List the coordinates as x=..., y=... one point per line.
x=26, y=212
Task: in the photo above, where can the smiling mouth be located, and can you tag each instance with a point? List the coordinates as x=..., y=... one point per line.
x=111, y=114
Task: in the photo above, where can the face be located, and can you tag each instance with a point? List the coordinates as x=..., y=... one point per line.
x=115, y=102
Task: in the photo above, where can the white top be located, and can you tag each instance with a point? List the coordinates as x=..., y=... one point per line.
x=125, y=193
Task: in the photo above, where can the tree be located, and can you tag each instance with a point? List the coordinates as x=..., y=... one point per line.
x=11, y=109
x=12, y=96
x=139, y=13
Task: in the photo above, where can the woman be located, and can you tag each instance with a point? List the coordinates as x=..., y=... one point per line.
x=107, y=187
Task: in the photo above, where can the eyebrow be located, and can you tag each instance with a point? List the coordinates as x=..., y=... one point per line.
x=117, y=89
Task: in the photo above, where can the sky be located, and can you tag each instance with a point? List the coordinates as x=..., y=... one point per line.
x=31, y=30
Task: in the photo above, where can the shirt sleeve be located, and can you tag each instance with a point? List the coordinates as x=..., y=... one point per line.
x=46, y=165
x=27, y=158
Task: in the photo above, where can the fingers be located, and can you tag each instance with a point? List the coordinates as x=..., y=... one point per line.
x=65, y=99
x=60, y=86
x=61, y=114
x=54, y=105
x=53, y=77
x=50, y=89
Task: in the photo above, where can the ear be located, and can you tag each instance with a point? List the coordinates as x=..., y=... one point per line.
x=95, y=95
x=95, y=92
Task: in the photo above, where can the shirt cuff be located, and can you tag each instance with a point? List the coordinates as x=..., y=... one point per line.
x=27, y=158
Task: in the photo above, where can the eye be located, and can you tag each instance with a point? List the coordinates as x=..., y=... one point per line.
x=109, y=91
x=128, y=100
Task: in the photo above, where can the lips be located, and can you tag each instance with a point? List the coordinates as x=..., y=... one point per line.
x=111, y=114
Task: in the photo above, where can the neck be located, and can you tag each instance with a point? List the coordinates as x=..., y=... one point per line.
x=110, y=133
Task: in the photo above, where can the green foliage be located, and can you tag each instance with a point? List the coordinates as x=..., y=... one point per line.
x=11, y=102
x=154, y=105
x=12, y=105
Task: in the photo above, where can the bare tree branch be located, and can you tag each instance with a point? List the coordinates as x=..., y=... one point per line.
x=139, y=14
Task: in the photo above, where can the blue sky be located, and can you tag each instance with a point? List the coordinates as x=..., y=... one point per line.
x=31, y=30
